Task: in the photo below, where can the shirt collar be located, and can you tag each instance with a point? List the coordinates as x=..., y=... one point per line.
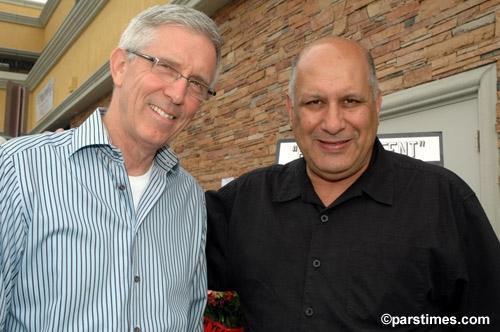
x=291, y=187
x=377, y=181
x=93, y=132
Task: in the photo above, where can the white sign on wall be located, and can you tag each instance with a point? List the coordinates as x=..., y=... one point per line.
x=286, y=151
x=225, y=181
x=424, y=146
x=45, y=100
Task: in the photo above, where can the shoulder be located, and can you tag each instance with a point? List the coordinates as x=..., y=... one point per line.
x=25, y=144
x=273, y=175
x=187, y=179
x=266, y=183
x=421, y=175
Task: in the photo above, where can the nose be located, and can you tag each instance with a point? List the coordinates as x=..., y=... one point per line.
x=333, y=120
x=177, y=90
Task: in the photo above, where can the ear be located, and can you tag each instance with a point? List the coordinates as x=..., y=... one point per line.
x=117, y=63
x=379, y=104
x=289, y=109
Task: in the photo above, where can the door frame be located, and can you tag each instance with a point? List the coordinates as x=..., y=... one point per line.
x=480, y=83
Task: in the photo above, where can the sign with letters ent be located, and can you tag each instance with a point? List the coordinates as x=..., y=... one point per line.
x=426, y=146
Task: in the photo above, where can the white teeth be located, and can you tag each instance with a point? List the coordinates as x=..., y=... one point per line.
x=159, y=111
x=336, y=143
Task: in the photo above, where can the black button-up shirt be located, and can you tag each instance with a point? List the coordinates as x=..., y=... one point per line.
x=406, y=239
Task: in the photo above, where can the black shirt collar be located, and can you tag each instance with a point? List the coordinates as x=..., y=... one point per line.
x=377, y=181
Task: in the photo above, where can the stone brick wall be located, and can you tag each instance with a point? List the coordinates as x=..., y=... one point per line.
x=412, y=41
x=85, y=113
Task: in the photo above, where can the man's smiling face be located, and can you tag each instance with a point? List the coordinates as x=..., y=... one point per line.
x=153, y=112
x=334, y=115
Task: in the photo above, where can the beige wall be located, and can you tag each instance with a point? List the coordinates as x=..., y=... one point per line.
x=22, y=10
x=28, y=38
x=57, y=18
x=18, y=36
x=21, y=37
x=89, y=52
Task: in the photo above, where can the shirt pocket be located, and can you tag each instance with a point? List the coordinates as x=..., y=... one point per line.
x=386, y=279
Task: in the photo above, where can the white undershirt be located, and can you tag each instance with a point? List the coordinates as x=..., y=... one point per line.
x=138, y=184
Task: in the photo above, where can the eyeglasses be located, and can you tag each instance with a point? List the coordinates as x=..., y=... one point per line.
x=170, y=75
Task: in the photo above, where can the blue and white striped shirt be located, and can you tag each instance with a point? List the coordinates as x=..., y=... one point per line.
x=75, y=256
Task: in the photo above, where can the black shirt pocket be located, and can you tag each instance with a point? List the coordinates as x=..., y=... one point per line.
x=386, y=279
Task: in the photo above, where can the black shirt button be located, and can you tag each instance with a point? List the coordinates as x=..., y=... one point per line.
x=316, y=263
x=309, y=312
x=324, y=218
x=137, y=329
x=121, y=187
x=137, y=278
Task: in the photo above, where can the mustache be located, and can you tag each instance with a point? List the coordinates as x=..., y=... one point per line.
x=333, y=138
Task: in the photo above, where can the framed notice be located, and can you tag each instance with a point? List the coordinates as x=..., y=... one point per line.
x=426, y=146
x=45, y=100
x=286, y=151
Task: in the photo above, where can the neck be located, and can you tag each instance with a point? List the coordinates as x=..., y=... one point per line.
x=327, y=189
x=136, y=165
x=138, y=160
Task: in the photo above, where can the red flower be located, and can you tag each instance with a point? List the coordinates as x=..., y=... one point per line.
x=224, y=307
x=211, y=298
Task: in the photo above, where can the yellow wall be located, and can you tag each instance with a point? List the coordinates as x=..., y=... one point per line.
x=17, y=36
x=21, y=37
x=10, y=8
x=90, y=51
x=57, y=18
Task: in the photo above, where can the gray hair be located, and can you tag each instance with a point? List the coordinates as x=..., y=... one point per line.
x=372, y=76
x=142, y=28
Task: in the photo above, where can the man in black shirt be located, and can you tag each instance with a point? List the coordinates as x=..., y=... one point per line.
x=351, y=237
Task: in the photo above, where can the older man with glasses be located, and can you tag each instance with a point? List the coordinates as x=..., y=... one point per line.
x=100, y=227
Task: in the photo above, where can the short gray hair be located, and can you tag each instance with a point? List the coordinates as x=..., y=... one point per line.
x=372, y=76
x=142, y=28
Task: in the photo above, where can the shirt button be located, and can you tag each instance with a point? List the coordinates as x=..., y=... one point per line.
x=316, y=263
x=137, y=278
x=309, y=312
x=121, y=187
x=324, y=218
x=137, y=329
